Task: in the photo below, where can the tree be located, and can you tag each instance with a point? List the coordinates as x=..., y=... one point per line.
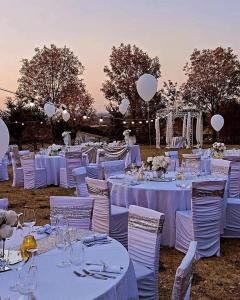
x=54, y=74
x=127, y=64
x=171, y=94
x=213, y=77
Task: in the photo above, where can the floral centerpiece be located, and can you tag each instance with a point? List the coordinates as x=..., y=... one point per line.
x=158, y=164
x=8, y=218
x=218, y=150
x=54, y=149
x=126, y=134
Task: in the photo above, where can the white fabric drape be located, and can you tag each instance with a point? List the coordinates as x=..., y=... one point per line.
x=169, y=129
x=184, y=126
x=157, y=129
x=188, y=134
x=199, y=129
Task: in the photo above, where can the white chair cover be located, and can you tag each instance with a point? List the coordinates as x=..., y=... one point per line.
x=77, y=210
x=33, y=177
x=4, y=203
x=94, y=171
x=203, y=223
x=192, y=161
x=174, y=160
x=113, y=168
x=144, y=232
x=100, y=156
x=79, y=175
x=107, y=218
x=18, y=179
x=184, y=273
x=73, y=161
x=220, y=167
x=4, y=170
x=234, y=176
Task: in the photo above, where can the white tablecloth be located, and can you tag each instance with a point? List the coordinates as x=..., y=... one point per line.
x=164, y=197
x=52, y=164
x=60, y=283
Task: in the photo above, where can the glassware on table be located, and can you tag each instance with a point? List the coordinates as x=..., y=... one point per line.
x=77, y=254
x=28, y=243
x=29, y=218
x=27, y=282
x=62, y=242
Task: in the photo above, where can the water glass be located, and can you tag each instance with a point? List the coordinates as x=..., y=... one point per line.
x=77, y=254
x=62, y=242
x=27, y=280
x=29, y=218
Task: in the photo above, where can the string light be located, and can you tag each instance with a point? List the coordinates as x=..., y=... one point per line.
x=32, y=103
x=101, y=120
x=41, y=122
x=84, y=116
x=124, y=122
x=74, y=119
x=22, y=124
x=140, y=122
x=133, y=122
x=146, y=121
x=151, y=120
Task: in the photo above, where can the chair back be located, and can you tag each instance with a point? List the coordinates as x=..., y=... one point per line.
x=207, y=205
x=4, y=203
x=94, y=171
x=16, y=155
x=184, y=273
x=192, y=161
x=220, y=167
x=234, y=176
x=113, y=167
x=115, y=153
x=174, y=160
x=100, y=156
x=79, y=174
x=28, y=165
x=77, y=210
x=73, y=161
x=102, y=206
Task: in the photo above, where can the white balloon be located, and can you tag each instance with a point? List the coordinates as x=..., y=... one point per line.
x=65, y=115
x=123, y=107
x=4, y=138
x=147, y=87
x=217, y=122
x=49, y=109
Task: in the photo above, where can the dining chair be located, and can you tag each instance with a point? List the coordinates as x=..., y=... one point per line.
x=144, y=235
x=113, y=168
x=220, y=167
x=94, y=171
x=192, y=161
x=73, y=161
x=77, y=210
x=174, y=160
x=232, y=228
x=18, y=178
x=33, y=177
x=79, y=174
x=107, y=218
x=4, y=203
x=4, y=170
x=100, y=156
x=183, y=278
x=203, y=222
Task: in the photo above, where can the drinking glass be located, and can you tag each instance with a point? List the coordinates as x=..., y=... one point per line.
x=29, y=218
x=62, y=243
x=27, y=280
x=77, y=254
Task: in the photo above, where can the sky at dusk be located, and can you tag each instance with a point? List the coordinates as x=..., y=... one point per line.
x=169, y=29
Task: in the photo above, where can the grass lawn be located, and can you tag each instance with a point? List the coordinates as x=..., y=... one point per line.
x=214, y=278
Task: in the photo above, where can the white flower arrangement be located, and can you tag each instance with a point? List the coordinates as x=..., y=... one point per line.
x=8, y=218
x=65, y=133
x=54, y=149
x=218, y=149
x=160, y=163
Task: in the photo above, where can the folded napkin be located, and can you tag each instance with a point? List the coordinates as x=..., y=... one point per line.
x=132, y=183
x=104, y=268
x=45, y=229
x=120, y=176
x=183, y=186
x=95, y=237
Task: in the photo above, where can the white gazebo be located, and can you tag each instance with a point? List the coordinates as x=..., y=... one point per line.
x=187, y=115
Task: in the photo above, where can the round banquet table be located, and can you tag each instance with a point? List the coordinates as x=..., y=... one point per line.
x=61, y=283
x=165, y=197
x=52, y=164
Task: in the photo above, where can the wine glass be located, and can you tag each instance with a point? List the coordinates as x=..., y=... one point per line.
x=29, y=218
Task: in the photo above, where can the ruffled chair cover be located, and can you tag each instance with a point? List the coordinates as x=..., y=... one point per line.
x=79, y=175
x=100, y=156
x=203, y=223
x=77, y=210
x=4, y=170
x=107, y=218
x=4, y=203
x=115, y=153
x=144, y=233
x=184, y=273
x=73, y=161
x=94, y=171
x=18, y=179
x=113, y=168
x=192, y=161
x=33, y=177
x=174, y=160
x=232, y=229
x=220, y=167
